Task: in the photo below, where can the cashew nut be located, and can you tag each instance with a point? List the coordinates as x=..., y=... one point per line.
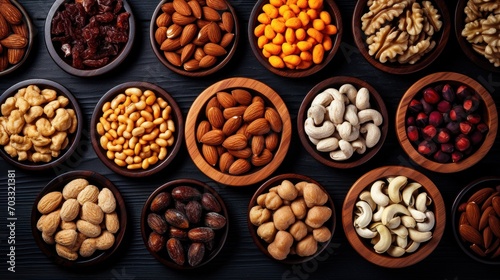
x=33, y=113
x=408, y=193
x=351, y=114
x=8, y=106
x=359, y=145
x=400, y=231
x=62, y=120
x=422, y=201
x=324, y=98
x=385, y=239
x=44, y=127
x=318, y=132
x=317, y=113
x=372, y=134
x=350, y=91
x=345, y=152
x=327, y=144
x=394, y=188
x=33, y=96
x=22, y=105
x=58, y=140
x=395, y=251
x=20, y=143
x=337, y=95
x=417, y=215
x=408, y=221
x=402, y=241
x=429, y=223
x=313, y=140
x=40, y=141
x=15, y=122
x=412, y=247
x=336, y=111
x=365, y=214
x=419, y=236
x=372, y=115
x=365, y=196
x=365, y=232
x=49, y=94
x=50, y=108
x=391, y=211
x=377, y=216
x=363, y=99
x=376, y=192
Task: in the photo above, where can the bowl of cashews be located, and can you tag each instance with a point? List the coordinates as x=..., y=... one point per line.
x=394, y=216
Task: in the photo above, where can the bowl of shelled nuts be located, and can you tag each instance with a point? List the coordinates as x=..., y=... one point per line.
x=184, y=224
x=401, y=37
x=394, y=216
x=295, y=38
x=291, y=218
x=446, y=122
x=89, y=38
x=194, y=39
x=476, y=220
x=238, y=131
x=473, y=20
x=16, y=36
x=342, y=122
x=41, y=124
x=79, y=219
x=136, y=129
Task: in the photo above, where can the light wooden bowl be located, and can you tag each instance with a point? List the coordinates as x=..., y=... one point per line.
x=397, y=68
x=490, y=118
x=376, y=103
x=194, y=116
x=331, y=7
x=363, y=246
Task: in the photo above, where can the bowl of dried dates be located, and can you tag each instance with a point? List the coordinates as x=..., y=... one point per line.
x=476, y=220
x=137, y=129
x=342, y=122
x=89, y=38
x=394, y=216
x=41, y=124
x=16, y=36
x=238, y=131
x=446, y=122
x=291, y=218
x=401, y=37
x=194, y=39
x=184, y=224
x=79, y=219
x=295, y=38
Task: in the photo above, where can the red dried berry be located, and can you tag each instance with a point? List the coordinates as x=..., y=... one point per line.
x=412, y=132
x=465, y=127
x=431, y=96
x=429, y=132
x=427, y=147
x=443, y=136
x=435, y=118
x=462, y=142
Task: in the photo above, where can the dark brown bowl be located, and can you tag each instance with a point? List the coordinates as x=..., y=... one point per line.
x=196, y=115
x=99, y=257
x=176, y=115
x=376, y=103
x=220, y=234
x=264, y=188
x=74, y=138
x=31, y=36
x=221, y=61
x=331, y=7
x=462, y=198
x=466, y=47
x=363, y=246
x=66, y=63
x=397, y=68
x=490, y=117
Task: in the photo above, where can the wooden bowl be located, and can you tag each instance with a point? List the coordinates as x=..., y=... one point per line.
x=220, y=234
x=376, y=103
x=74, y=138
x=66, y=63
x=264, y=188
x=195, y=115
x=462, y=197
x=331, y=7
x=363, y=246
x=397, y=68
x=455, y=79
x=31, y=36
x=221, y=61
x=99, y=257
x=466, y=47
x=175, y=115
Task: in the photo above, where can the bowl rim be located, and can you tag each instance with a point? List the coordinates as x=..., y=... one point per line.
x=115, y=62
x=336, y=40
x=172, y=184
x=253, y=229
x=61, y=90
x=31, y=38
x=381, y=259
x=467, y=162
x=332, y=82
x=401, y=69
x=460, y=198
x=179, y=129
x=199, y=72
x=192, y=118
x=466, y=47
x=58, y=183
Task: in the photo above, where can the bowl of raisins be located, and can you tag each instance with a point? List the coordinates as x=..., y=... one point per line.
x=89, y=38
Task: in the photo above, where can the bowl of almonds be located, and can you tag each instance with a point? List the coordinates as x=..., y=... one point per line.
x=194, y=38
x=79, y=219
x=16, y=36
x=238, y=131
x=476, y=220
x=137, y=129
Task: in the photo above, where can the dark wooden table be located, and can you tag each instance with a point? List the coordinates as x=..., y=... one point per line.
x=240, y=258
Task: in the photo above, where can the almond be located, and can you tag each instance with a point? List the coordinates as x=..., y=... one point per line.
x=470, y=234
x=258, y=99
x=207, y=61
x=170, y=45
x=235, y=142
x=463, y=219
x=213, y=32
x=483, y=221
x=213, y=137
x=214, y=49
x=210, y=14
x=257, y=144
x=14, y=41
x=173, y=31
x=476, y=249
x=187, y=52
x=49, y=202
x=188, y=33
x=112, y=222
x=173, y=58
x=272, y=141
x=243, y=153
x=4, y=27
x=494, y=224
x=168, y=8
x=217, y=4
x=213, y=102
x=262, y=159
x=92, y=213
x=21, y=29
x=253, y=112
x=234, y=111
x=66, y=237
x=226, y=40
x=199, y=53
x=89, y=193
x=227, y=21
x=203, y=128
x=106, y=201
x=239, y=167
x=163, y=20
x=210, y=154
x=160, y=34
x=487, y=237
x=225, y=99
x=70, y=210
x=473, y=214
x=274, y=119
x=202, y=37
x=11, y=14
x=182, y=7
x=225, y=161
x=215, y=117
x=192, y=65
x=481, y=195
x=195, y=8
x=202, y=23
x=487, y=202
x=243, y=130
x=259, y=127
x=181, y=19
x=232, y=125
x=243, y=97
x=495, y=202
